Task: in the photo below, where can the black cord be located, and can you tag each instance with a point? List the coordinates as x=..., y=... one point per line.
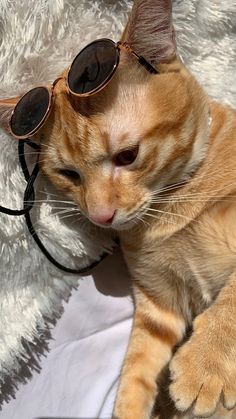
x=30, y=182
x=51, y=258
x=29, y=198
x=15, y=213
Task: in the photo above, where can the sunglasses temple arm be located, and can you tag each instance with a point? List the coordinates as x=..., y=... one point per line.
x=9, y=102
x=147, y=65
x=140, y=59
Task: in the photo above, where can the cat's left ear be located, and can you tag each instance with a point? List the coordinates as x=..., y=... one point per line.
x=6, y=108
x=150, y=31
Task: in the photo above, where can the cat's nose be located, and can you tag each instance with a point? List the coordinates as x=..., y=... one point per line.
x=104, y=217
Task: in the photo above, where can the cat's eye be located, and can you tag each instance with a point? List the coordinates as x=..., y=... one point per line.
x=126, y=157
x=70, y=174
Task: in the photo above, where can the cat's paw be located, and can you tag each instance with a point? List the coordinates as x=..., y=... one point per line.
x=203, y=370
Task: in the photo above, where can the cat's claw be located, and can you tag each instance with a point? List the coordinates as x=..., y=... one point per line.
x=203, y=371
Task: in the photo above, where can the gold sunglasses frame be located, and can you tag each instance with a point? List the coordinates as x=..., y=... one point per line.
x=118, y=46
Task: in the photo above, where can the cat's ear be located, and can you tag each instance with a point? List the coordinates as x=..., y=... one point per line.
x=150, y=31
x=6, y=109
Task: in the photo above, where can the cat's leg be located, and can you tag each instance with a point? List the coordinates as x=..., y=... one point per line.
x=204, y=368
x=155, y=333
x=222, y=413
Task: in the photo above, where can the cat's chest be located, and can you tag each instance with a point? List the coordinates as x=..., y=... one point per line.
x=190, y=267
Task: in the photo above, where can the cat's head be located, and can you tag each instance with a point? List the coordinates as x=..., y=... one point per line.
x=111, y=153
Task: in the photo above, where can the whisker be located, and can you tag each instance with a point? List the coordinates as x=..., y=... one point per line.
x=143, y=221
x=49, y=201
x=194, y=181
x=42, y=161
x=186, y=200
x=206, y=195
x=161, y=218
x=57, y=207
x=211, y=193
x=84, y=221
x=30, y=153
x=49, y=146
x=70, y=215
x=169, y=187
x=56, y=215
x=170, y=213
x=48, y=193
x=58, y=195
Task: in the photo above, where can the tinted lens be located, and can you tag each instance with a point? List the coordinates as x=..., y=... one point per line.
x=93, y=66
x=30, y=111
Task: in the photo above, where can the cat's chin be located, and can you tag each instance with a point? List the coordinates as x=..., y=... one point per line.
x=126, y=225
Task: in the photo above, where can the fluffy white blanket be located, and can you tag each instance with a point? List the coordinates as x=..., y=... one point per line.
x=38, y=38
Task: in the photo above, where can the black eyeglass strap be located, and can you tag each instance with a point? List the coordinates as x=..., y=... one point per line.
x=51, y=258
x=29, y=198
x=30, y=179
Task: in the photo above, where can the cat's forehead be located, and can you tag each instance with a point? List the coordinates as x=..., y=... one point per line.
x=123, y=122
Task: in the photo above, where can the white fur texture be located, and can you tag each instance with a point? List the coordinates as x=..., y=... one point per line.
x=38, y=38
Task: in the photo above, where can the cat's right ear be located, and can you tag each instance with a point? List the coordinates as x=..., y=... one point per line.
x=150, y=31
x=6, y=108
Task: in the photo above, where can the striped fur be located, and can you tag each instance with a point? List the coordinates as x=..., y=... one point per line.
x=179, y=241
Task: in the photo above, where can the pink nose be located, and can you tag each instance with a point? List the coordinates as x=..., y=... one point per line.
x=104, y=217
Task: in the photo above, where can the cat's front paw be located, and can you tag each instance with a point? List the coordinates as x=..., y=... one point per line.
x=203, y=370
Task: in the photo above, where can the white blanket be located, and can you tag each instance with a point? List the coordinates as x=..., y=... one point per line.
x=79, y=376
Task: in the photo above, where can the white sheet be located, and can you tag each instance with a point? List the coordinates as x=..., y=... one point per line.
x=79, y=376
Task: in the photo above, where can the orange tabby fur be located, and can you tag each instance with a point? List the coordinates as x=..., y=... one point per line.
x=179, y=242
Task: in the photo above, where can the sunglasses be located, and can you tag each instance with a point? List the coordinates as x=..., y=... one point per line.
x=91, y=70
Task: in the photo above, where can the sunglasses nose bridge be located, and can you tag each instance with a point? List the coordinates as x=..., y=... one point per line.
x=57, y=80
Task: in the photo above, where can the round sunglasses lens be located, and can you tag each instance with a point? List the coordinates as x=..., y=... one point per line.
x=30, y=111
x=94, y=65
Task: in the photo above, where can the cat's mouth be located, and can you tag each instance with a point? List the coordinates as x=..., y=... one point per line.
x=131, y=220
x=119, y=219
x=117, y=224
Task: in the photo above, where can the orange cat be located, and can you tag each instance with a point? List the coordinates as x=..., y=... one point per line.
x=151, y=156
